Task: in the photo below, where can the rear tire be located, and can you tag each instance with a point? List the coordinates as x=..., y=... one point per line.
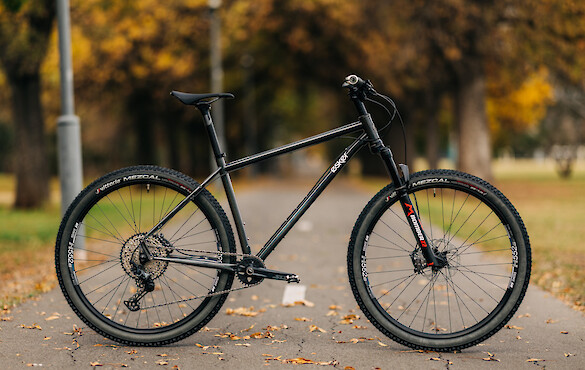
x=462, y=304
x=96, y=256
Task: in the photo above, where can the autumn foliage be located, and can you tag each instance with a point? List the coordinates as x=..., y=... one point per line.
x=480, y=69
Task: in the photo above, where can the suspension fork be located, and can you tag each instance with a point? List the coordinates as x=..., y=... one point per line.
x=377, y=146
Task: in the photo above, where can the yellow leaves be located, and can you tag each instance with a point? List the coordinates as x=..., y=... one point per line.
x=513, y=327
x=304, y=361
x=348, y=319
x=313, y=328
x=244, y=311
x=522, y=107
x=33, y=326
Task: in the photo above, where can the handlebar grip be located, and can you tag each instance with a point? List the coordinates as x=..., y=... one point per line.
x=354, y=81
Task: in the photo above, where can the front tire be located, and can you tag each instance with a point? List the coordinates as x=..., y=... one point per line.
x=484, y=240
x=97, y=254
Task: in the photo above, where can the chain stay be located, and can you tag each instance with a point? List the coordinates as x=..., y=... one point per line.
x=209, y=294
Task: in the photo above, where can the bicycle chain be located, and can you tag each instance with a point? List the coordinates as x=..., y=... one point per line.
x=214, y=293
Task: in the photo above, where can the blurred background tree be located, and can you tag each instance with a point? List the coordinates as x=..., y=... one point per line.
x=25, y=29
x=471, y=79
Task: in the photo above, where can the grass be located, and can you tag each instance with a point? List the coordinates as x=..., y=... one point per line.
x=26, y=252
x=552, y=209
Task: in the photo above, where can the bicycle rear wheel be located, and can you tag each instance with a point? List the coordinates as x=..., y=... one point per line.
x=484, y=241
x=97, y=255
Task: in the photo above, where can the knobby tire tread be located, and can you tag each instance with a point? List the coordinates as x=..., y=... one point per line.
x=428, y=174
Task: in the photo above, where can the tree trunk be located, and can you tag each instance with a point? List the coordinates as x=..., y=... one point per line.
x=32, y=175
x=473, y=132
x=432, y=131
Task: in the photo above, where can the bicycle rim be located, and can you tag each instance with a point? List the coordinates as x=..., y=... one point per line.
x=465, y=301
x=103, y=248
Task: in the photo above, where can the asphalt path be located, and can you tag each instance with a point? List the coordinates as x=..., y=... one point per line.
x=255, y=330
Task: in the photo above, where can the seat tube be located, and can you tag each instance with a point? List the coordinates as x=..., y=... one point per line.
x=225, y=179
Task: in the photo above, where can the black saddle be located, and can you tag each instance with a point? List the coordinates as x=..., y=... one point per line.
x=195, y=99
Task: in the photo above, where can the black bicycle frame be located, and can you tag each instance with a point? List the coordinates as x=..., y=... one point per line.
x=369, y=135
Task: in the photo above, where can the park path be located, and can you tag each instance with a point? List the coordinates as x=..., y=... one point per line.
x=44, y=332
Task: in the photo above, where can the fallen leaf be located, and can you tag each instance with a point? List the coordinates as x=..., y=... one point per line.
x=564, y=332
x=349, y=368
x=568, y=354
x=313, y=328
x=524, y=315
x=242, y=311
x=332, y=313
x=434, y=359
x=96, y=363
x=534, y=360
x=302, y=361
x=162, y=355
x=513, y=327
x=551, y=321
x=490, y=359
x=302, y=319
x=382, y=344
x=162, y=362
x=33, y=326
x=359, y=327
x=46, y=338
x=334, y=307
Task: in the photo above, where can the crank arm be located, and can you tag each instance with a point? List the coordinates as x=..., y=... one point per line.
x=275, y=275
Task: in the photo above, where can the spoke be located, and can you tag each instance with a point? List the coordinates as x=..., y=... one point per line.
x=94, y=266
x=105, y=229
x=189, y=277
x=459, y=300
x=415, y=297
x=480, y=275
x=99, y=239
x=99, y=273
x=131, y=215
x=120, y=212
x=120, y=301
x=456, y=215
x=395, y=286
x=103, y=285
x=191, y=229
x=388, y=248
x=477, y=228
x=184, y=223
x=114, y=294
x=98, y=206
x=391, y=242
x=464, y=222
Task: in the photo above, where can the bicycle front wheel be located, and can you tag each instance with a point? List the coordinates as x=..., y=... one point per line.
x=103, y=275
x=486, y=246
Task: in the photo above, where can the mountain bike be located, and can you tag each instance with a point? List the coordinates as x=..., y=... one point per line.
x=437, y=260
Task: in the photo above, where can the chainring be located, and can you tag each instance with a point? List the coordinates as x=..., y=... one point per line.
x=246, y=268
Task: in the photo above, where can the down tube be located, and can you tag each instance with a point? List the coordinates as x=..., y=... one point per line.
x=325, y=179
